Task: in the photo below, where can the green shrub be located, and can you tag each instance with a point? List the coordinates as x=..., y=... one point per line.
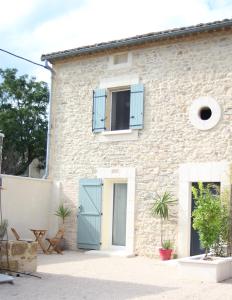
x=210, y=218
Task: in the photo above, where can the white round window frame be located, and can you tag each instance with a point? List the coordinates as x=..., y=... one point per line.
x=194, y=113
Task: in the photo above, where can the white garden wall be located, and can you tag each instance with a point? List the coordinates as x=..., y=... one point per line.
x=29, y=203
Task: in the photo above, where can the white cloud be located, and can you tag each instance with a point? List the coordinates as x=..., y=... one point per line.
x=105, y=20
x=13, y=11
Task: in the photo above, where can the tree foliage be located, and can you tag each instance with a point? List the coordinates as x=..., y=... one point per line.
x=210, y=217
x=23, y=120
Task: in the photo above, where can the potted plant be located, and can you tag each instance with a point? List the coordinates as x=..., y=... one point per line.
x=211, y=218
x=63, y=212
x=160, y=208
x=166, y=250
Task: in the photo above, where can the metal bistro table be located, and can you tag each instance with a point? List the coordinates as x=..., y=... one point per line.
x=39, y=234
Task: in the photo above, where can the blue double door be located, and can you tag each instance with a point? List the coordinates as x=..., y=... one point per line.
x=90, y=214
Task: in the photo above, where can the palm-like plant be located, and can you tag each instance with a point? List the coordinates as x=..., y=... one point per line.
x=63, y=212
x=160, y=208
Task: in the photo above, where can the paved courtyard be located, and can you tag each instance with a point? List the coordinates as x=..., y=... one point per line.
x=79, y=276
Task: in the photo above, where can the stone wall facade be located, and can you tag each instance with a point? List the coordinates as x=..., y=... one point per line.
x=174, y=73
x=22, y=256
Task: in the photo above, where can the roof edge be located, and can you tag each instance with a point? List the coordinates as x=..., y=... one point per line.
x=140, y=39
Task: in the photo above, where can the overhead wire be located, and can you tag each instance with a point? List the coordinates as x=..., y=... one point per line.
x=46, y=66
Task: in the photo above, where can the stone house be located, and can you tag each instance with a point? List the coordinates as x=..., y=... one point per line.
x=134, y=117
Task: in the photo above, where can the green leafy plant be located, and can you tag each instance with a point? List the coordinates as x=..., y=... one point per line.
x=3, y=228
x=210, y=217
x=167, y=244
x=23, y=120
x=160, y=208
x=63, y=212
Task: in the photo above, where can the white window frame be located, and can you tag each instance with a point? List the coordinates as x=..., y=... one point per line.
x=194, y=113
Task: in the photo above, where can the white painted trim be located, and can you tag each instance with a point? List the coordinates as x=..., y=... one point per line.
x=194, y=172
x=117, y=132
x=194, y=113
x=118, y=135
x=128, y=175
x=195, y=268
x=118, y=81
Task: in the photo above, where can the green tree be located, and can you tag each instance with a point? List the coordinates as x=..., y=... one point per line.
x=210, y=217
x=23, y=120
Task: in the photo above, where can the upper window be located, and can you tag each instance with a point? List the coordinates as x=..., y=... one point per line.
x=118, y=109
x=120, y=58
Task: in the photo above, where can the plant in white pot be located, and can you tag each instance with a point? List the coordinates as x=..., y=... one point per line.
x=211, y=219
x=160, y=208
x=63, y=212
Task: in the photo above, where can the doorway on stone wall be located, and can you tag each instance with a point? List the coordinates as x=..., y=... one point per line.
x=119, y=214
x=195, y=248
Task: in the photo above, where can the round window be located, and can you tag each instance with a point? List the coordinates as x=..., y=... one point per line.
x=204, y=113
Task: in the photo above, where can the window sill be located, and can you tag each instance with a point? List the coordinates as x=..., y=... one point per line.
x=118, y=135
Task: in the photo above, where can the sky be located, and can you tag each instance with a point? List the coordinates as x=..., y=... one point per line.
x=30, y=28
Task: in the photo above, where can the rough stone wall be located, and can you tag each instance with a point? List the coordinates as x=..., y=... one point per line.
x=22, y=256
x=174, y=73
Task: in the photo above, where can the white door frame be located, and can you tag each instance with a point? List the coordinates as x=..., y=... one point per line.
x=126, y=175
x=194, y=172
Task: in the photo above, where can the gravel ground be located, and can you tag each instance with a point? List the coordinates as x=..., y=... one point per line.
x=79, y=276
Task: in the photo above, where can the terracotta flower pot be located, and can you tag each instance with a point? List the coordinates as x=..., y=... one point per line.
x=165, y=254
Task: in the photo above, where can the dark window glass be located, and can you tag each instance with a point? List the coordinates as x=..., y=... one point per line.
x=120, y=113
x=205, y=113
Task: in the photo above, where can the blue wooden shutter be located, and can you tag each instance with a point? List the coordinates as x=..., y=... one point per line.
x=99, y=107
x=89, y=214
x=136, y=106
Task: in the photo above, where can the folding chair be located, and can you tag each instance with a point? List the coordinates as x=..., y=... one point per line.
x=55, y=241
x=15, y=233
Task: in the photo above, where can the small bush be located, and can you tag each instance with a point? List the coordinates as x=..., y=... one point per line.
x=210, y=218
